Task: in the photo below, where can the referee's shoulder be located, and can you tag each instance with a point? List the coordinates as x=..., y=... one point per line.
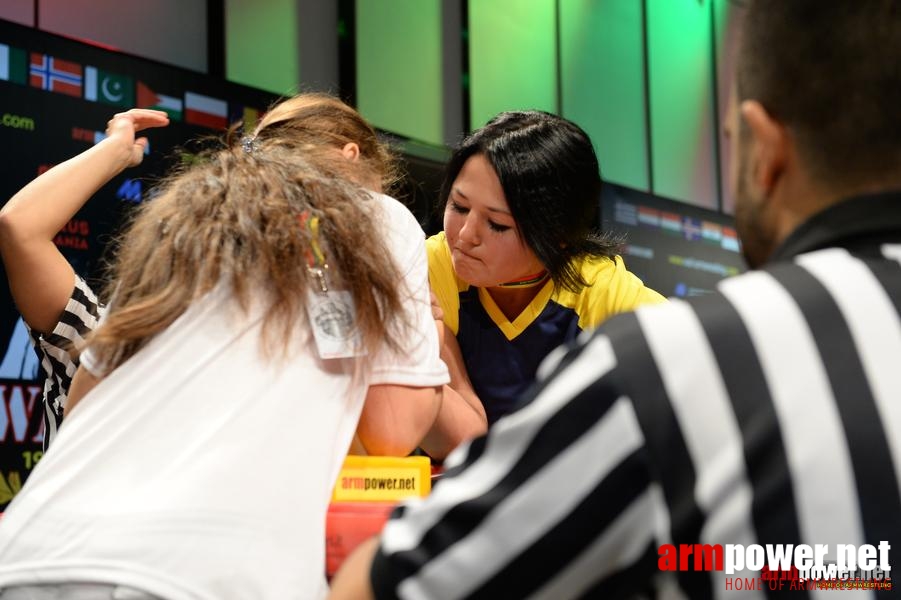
x=778, y=292
x=641, y=335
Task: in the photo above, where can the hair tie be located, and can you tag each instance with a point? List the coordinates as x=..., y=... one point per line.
x=249, y=144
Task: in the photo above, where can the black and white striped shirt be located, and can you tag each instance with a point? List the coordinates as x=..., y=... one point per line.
x=80, y=317
x=766, y=413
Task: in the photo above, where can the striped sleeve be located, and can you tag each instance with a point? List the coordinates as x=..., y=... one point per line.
x=468, y=539
x=80, y=317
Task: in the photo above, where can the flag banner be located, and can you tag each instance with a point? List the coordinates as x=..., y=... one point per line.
x=13, y=64
x=109, y=88
x=626, y=213
x=148, y=98
x=649, y=216
x=691, y=228
x=55, y=75
x=712, y=232
x=730, y=240
x=670, y=222
x=251, y=117
x=205, y=111
x=241, y=113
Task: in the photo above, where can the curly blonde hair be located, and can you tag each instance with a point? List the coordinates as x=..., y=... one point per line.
x=320, y=126
x=233, y=218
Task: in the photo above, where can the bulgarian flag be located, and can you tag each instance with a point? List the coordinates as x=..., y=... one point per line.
x=649, y=216
x=147, y=98
x=670, y=222
x=206, y=111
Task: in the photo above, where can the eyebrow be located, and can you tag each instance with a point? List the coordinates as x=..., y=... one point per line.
x=457, y=191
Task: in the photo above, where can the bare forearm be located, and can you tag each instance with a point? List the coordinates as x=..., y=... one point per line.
x=40, y=209
x=40, y=278
x=351, y=582
x=396, y=418
x=457, y=422
x=462, y=416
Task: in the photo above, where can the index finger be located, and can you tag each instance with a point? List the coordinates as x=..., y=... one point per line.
x=143, y=118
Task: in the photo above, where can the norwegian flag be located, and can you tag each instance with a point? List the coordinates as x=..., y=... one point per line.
x=49, y=73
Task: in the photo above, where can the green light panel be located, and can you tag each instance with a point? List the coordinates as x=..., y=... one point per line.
x=681, y=96
x=602, y=71
x=728, y=17
x=261, y=47
x=399, y=85
x=512, y=57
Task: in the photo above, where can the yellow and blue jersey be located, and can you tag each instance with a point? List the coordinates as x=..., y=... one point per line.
x=502, y=356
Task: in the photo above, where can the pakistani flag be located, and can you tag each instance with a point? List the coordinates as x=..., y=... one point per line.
x=13, y=64
x=147, y=98
x=109, y=88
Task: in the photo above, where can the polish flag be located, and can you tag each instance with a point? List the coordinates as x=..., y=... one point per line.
x=205, y=111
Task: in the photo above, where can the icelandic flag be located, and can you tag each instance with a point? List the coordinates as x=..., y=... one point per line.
x=49, y=73
x=691, y=229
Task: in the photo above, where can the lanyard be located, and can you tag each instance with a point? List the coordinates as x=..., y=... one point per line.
x=316, y=263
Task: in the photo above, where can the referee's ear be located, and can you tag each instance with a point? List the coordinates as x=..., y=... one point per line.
x=767, y=147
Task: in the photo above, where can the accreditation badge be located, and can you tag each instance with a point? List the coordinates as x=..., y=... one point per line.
x=333, y=320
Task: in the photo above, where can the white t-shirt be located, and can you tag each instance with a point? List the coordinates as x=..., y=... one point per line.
x=199, y=469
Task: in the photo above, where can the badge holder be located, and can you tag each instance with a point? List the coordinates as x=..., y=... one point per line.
x=332, y=313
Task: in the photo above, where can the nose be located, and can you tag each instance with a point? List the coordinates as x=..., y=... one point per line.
x=468, y=233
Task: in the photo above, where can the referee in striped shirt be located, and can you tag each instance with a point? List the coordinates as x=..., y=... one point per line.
x=768, y=412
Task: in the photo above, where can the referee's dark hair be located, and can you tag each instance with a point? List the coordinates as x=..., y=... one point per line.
x=549, y=172
x=831, y=85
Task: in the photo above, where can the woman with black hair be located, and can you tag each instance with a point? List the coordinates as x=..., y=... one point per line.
x=519, y=268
